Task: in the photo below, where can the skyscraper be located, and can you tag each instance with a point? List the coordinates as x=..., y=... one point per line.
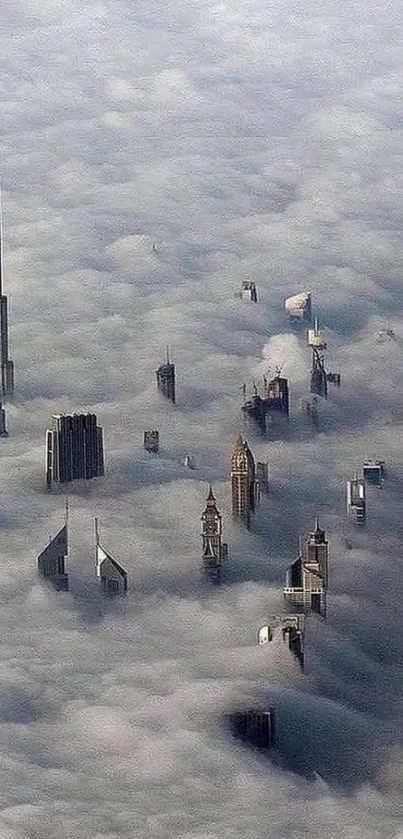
x=356, y=504
x=270, y=409
x=307, y=577
x=51, y=562
x=244, y=487
x=254, y=727
x=214, y=550
x=112, y=576
x=74, y=448
x=3, y=426
x=166, y=379
x=292, y=629
x=7, y=366
x=318, y=374
x=318, y=551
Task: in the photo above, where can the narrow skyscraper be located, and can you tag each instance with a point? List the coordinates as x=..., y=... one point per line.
x=244, y=487
x=356, y=505
x=307, y=578
x=166, y=379
x=268, y=412
x=51, y=562
x=318, y=374
x=3, y=427
x=112, y=576
x=214, y=550
x=74, y=448
x=7, y=366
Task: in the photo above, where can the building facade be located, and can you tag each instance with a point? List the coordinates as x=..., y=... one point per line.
x=356, y=502
x=112, y=576
x=51, y=562
x=166, y=379
x=74, y=448
x=307, y=578
x=244, y=486
x=214, y=550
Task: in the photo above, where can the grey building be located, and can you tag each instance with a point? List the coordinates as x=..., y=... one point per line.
x=214, y=550
x=269, y=409
x=249, y=291
x=291, y=628
x=111, y=574
x=374, y=472
x=7, y=366
x=356, y=502
x=3, y=427
x=152, y=441
x=166, y=379
x=74, y=448
x=51, y=562
x=307, y=578
x=262, y=474
x=255, y=727
x=318, y=374
x=244, y=486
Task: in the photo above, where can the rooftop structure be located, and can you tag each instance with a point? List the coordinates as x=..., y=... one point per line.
x=299, y=306
x=356, y=504
x=249, y=291
x=74, y=448
x=214, y=550
x=152, y=441
x=270, y=409
x=292, y=630
x=307, y=578
x=255, y=727
x=166, y=379
x=3, y=427
x=244, y=487
x=316, y=337
x=7, y=366
x=51, y=562
x=112, y=576
x=374, y=471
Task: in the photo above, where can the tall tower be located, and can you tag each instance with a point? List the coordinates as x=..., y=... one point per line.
x=111, y=574
x=214, y=549
x=166, y=379
x=318, y=551
x=318, y=374
x=356, y=504
x=51, y=562
x=7, y=366
x=3, y=427
x=243, y=482
x=74, y=448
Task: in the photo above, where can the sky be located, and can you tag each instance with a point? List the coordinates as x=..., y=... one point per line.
x=246, y=140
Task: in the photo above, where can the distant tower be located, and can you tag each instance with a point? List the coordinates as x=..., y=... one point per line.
x=113, y=577
x=292, y=628
x=51, y=561
x=152, y=441
x=244, y=487
x=262, y=473
x=3, y=427
x=277, y=394
x=318, y=552
x=214, y=549
x=356, y=505
x=374, y=472
x=307, y=578
x=249, y=291
x=299, y=306
x=7, y=366
x=318, y=374
x=74, y=448
x=254, y=727
x=316, y=337
x=270, y=410
x=166, y=379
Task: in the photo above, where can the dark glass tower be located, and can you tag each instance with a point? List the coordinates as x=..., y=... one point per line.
x=74, y=448
x=166, y=379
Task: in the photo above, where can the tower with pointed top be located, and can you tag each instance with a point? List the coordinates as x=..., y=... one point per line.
x=111, y=574
x=307, y=577
x=214, y=550
x=7, y=366
x=244, y=487
x=51, y=562
x=166, y=379
x=318, y=551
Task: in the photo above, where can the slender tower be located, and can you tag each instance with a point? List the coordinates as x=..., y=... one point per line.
x=243, y=482
x=7, y=366
x=214, y=549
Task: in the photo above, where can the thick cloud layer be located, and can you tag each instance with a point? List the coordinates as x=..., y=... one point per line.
x=245, y=141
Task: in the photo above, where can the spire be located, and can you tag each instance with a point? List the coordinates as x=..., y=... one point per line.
x=96, y=532
x=211, y=496
x=317, y=528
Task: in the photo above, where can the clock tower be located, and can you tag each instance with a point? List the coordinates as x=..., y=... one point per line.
x=214, y=550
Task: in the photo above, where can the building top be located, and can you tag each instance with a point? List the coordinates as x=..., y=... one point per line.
x=242, y=457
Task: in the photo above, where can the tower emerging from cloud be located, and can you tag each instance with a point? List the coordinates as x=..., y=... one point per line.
x=74, y=448
x=356, y=504
x=111, y=574
x=214, y=550
x=307, y=578
x=51, y=562
x=166, y=379
x=7, y=366
x=244, y=487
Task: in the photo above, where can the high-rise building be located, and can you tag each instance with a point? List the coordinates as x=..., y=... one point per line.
x=166, y=379
x=3, y=427
x=214, y=550
x=299, y=306
x=7, y=366
x=318, y=374
x=254, y=727
x=244, y=486
x=152, y=441
x=356, y=504
x=51, y=562
x=316, y=337
x=249, y=291
x=270, y=409
x=307, y=578
x=74, y=448
x=112, y=576
x=292, y=630
x=262, y=474
x=373, y=471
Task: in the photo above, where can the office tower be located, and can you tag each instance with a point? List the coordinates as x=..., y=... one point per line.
x=262, y=474
x=188, y=462
x=166, y=379
x=74, y=448
x=244, y=487
x=254, y=727
x=112, y=576
x=151, y=441
x=299, y=306
x=268, y=412
x=307, y=578
x=292, y=630
x=374, y=471
x=318, y=374
x=249, y=291
x=356, y=506
x=3, y=427
x=51, y=562
x=7, y=366
x=316, y=337
x=214, y=550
